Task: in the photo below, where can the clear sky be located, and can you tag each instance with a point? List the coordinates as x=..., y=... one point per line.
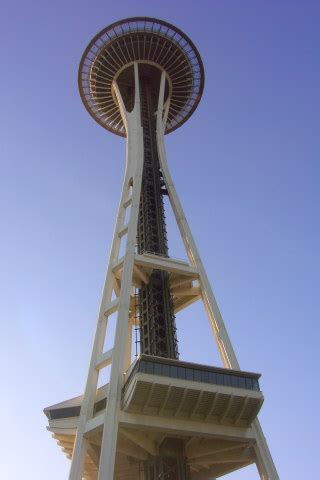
x=246, y=166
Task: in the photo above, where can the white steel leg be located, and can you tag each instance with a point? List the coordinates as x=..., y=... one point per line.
x=264, y=460
x=80, y=446
x=133, y=175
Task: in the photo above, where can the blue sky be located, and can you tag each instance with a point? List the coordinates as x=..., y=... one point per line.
x=246, y=166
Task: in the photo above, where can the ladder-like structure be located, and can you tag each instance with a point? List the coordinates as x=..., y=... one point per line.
x=158, y=417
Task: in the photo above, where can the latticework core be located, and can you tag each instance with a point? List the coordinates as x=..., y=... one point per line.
x=143, y=40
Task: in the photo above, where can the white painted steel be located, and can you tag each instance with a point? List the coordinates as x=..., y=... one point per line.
x=131, y=263
x=120, y=354
x=265, y=463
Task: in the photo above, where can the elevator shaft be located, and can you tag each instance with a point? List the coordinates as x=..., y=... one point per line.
x=157, y=321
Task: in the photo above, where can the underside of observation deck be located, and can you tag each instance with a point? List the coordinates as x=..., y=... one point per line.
x=210, y=410
x=148, y=41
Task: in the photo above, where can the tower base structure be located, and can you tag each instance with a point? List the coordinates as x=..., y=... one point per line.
x=158, y=417
x=173, y=414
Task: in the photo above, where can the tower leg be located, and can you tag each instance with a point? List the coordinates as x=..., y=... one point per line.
x=265, y=463
x=134, y=165
x=133, y=176
x=81, y=444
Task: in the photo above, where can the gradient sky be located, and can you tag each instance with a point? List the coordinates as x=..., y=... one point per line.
x=246, y=166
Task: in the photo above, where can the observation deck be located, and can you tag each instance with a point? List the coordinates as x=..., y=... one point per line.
x=172, y=388
x=167, y=387
x=198, y=399
x=147, y=41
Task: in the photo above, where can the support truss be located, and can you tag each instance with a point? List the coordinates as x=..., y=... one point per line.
x=114, y=428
